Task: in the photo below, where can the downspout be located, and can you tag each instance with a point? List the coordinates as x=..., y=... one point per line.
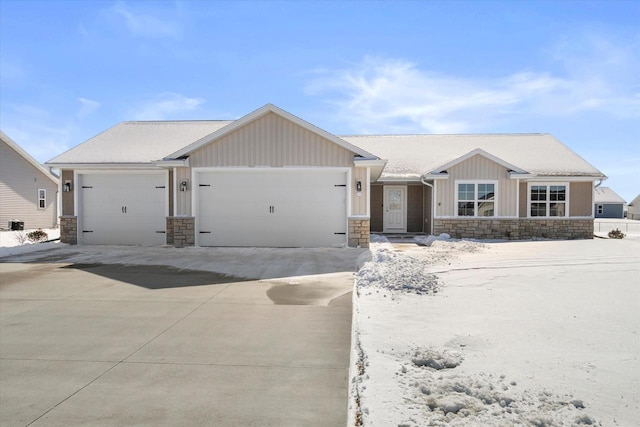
x=432, y=202
x=599, y=183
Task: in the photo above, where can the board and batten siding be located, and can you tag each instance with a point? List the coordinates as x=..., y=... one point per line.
x=19, y=185
x=183, y=198
x=476, y=168
x=67, y=196
x=272, y=141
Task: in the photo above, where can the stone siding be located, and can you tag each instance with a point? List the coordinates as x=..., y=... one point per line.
x=69, y=229
x=515, y=229
x=181, y=231
x=359, y=232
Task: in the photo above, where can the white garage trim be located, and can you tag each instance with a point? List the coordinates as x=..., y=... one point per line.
x=196, y=181
x=78, y=182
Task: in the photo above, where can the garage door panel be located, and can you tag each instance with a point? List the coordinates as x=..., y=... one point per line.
x=272, y=208
x=126, y=209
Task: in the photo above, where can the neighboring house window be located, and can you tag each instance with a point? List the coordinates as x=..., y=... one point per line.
x=600, y=209
x=476, y=199
x=548, y=200
x=42, y=199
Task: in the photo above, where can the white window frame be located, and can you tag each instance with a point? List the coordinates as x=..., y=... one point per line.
x=42, y=199
x=475, y=197
x=600, y=209
x=548, y=201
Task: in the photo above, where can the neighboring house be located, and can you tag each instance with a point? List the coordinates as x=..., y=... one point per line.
x=607, y=203
x=28, y=190
x=272, y=179
x=633, y=208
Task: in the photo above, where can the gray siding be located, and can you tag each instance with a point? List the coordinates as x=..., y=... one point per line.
x=609, y=210
x=19, y=184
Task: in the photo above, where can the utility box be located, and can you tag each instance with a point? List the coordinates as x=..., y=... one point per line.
x=15, y=225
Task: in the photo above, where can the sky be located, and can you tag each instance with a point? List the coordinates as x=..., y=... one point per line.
x=72, y=69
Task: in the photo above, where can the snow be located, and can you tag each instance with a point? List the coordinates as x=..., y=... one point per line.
x=466, y=333
x=10, y=242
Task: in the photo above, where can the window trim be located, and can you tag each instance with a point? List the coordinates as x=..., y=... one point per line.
x=547, y=202
x=42, y=199
x=475, y=183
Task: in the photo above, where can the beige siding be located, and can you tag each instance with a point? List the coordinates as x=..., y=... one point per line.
x=359, y=202
x=19, y=184
x=67, y=197
x=524, y=196
x=580, y=198
x=272, y=141
x=183, y=199
x=476, y=168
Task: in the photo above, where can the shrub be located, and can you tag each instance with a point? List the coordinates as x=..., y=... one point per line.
x=37, y=236
x=616, y=234
x=20, y=237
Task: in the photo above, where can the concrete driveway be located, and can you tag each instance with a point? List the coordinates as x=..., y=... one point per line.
x=87, y=343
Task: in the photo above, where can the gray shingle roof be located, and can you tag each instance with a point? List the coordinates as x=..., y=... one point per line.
x=416, y=155
x=139, y=142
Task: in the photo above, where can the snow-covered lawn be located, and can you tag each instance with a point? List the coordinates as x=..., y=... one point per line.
x=16, y=242
x=540, y=333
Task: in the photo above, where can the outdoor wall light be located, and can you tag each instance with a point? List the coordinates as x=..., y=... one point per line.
x=67, y=186
x=183, y=186
x=358, y=186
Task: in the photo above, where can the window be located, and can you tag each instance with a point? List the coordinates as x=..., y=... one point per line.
x=42, y=199
x=476, y=199
x=548, y=200
x=600, y=209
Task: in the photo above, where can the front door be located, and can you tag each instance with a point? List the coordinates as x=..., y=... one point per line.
x=395, y=209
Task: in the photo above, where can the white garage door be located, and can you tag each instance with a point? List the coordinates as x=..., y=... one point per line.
x=122, y=209
x=280, y=208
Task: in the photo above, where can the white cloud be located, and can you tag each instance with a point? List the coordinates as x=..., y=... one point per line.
x=146, y=25
x=87, y=107
x=392, y=95
x=165, y=106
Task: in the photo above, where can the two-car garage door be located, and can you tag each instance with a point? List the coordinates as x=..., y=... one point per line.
x=277, y=208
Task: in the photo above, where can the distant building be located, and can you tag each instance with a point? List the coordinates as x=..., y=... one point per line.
x=28, y=190
x=607, y=204
x=634, y=208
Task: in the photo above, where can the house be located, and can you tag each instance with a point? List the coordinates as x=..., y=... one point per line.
x=273, y=179
x=28, y=191
x=633, y=208
x=607, y=203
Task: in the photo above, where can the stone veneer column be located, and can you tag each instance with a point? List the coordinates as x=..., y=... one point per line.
x=69, y=229
x=181, y=231
x=359, y=232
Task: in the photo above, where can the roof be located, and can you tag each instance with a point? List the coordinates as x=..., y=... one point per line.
x=11, y=143
x=606, y=195
x=139, y=142
x=412, y=156
x=636, y=201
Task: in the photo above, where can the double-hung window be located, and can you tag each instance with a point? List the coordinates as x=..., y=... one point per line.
x=476, y=198
x=42, y=198
x=547, y=200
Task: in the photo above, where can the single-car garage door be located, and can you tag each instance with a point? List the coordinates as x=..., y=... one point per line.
x=122, y=209
x=274, y=208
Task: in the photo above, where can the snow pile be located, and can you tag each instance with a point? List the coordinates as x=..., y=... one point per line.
x=398, y=272
x=428, y=240
x=442, y=397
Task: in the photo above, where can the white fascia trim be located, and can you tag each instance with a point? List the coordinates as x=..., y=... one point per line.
x=436, y=176
x=183, y=163
x=481, y=152
x=397, y=180
x=268, y=108
x=362, y=163
x=94, y=166
x=551, y=178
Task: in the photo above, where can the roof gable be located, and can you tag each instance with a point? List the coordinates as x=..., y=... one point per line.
x=15, y=147
x=268, y=108
x=477, y=152
x=606, y=195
